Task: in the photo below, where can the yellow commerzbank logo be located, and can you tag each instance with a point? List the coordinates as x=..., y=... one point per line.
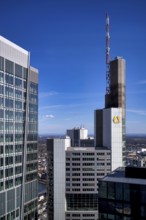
x=116, y=119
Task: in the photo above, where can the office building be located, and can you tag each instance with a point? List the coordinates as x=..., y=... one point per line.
x=73, y=174
x=80, y=138
x=109, y=122
x=18, y=133
x=122, y=194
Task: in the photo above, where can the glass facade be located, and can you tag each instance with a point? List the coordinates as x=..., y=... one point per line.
x=119, y=200
x=18, y=145
x=81, y=202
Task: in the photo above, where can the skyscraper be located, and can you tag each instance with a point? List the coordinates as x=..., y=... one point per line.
x=18, y=133
x=110, y=121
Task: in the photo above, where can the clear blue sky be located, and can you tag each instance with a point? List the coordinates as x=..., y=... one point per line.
x=66, y=39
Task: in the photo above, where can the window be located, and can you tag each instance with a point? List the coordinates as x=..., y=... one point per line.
x=18, y=105
x=8, y=103
x=1, y=149
x=18, y=70
x=18, y=159
x=9, y=92
x=9, y=137
x=9, y=66
x=9, y=172
x=18, y=94
x=8, y=160
x=9, y=115
x=1, y=102
x=18, y=170
x=18, y=83
x=1, y=113
x=9, y=79
x=1, y=77
x=1, y=89
x=8, y=149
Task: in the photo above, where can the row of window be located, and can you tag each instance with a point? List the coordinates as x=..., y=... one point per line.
x=12, y=81
x=88, y=164
x=17, y=148
x=79, y=179
x=84, y=159
x=18, y=137
x=10, y=183
x=10, y=171
x=12, y=215
x=88, y=154
x=79, y=215
x=10, y=160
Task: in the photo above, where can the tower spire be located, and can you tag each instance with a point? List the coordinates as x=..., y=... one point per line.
x=107, y=55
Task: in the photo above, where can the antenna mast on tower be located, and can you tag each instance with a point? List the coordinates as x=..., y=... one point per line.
x=107, y=56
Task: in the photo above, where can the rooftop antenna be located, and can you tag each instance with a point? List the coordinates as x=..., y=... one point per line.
x=107, y=55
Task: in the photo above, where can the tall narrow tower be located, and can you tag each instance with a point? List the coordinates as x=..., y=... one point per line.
x=107, y=56
x=108, y=120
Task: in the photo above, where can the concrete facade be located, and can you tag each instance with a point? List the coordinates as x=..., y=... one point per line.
x=73, y=174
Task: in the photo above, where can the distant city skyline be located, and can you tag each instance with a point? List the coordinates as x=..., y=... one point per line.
x=67, y=43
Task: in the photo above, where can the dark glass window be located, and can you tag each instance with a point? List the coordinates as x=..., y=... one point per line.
x=9, y=66
x=18, y=180
x=8, y=103
x=18, y=70
x=18, y=137
x=18, y=104
x=1, y=89
x=18, y=159
x=18, y=169
x=9, y=115
x=111, y=190
x=1, y=63
x=8, y=160
x=1, y=188
x=1, y=138
x=24, y=73
x=18, y=94
x=9, y=91
x=9, y=126
x=1, y=149
x=19, y=127
x=1, y=162
x=1, y=174
x=119, y=191
x=33, y=88
x=9, y=79
x=103, y=189
x=19, y=116
x=18, y=148
x=8, y=149
x=1, y=126
x=1, y=77
x=1, y=113
x=8, y=184
x=81, y=201
x=1, y=102
x=9, y=172
x=9, y=137
x=18, y=83
x=126, y=191
x=33, y=98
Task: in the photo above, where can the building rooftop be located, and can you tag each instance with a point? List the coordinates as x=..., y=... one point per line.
x=133, y=175
x=89, y=149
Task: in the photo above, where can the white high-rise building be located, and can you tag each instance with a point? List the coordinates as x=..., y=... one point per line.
x=73, y=174
x=18, y=133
